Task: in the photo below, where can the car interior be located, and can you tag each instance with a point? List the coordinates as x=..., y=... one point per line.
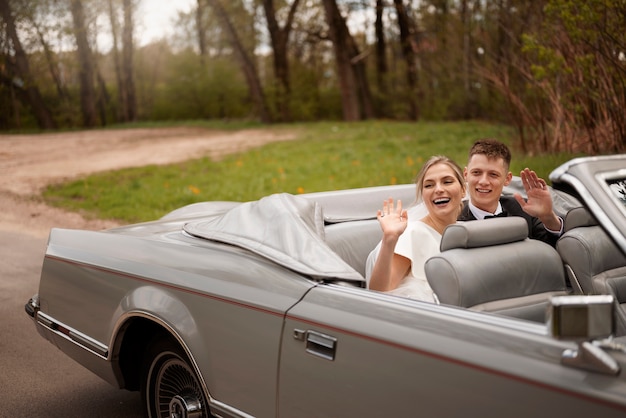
x=493, y=267
x=594, y=264
x=354, y=240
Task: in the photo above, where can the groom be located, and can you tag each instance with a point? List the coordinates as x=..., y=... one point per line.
x=486, y=174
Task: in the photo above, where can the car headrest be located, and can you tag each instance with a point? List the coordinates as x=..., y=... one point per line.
x=578, y=217
x=472, y=234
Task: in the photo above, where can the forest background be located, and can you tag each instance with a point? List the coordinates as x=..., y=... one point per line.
x=555, y=70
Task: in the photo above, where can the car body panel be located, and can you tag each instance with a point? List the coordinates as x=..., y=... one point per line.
x=274, y=323
x=181, y=291
x=394, y=356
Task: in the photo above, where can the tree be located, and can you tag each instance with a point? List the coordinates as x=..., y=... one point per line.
x=86, y=70
x=407, y=41
x=121, y=91
x=576, y=63
x=22, y=67
x=246, y=63
x=280, y=39
x=130, y=104
x=201, y=29
x=53, y=65
x=381, y=47
x=353, y=84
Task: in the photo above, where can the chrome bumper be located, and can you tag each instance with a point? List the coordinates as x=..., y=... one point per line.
x=32, y=306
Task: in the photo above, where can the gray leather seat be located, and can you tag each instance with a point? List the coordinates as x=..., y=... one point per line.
x=354, y=240
x=594, y=264
x=492, y=266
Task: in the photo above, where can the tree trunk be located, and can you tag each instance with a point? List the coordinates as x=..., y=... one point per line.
x=103, y=98
x=280, y=39
x=381, y=48
x=40, y=111
x=121, y=94
x=52, y=64
x=407, y=33
x=87, y=90
x=201, y=29
x=358, y=66
x=247, y=66
x=130, y=106
x=342, y=46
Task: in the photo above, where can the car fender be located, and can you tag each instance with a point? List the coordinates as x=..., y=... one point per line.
x=162, y=307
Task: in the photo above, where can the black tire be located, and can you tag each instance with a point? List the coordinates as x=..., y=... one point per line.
x=169, y=385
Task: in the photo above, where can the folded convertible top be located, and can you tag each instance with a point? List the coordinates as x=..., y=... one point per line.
x=284, y=228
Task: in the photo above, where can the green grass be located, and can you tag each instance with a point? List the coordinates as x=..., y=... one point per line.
x=325, y=156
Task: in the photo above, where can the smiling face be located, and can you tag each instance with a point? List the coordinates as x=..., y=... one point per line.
x=486, y=177
x=442, y=191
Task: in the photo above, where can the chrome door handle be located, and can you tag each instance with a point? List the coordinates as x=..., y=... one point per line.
x=321, y=345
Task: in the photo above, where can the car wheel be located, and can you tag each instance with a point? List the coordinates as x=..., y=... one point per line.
x=170, y=387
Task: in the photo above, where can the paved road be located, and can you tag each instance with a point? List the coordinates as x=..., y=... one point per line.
x=36, y=379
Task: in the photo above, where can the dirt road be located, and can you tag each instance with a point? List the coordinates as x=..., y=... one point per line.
x=30, y=162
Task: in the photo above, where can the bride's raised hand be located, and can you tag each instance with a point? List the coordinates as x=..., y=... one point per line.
x=392, y=218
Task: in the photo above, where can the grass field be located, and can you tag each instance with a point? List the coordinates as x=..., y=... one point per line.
x=326, y=156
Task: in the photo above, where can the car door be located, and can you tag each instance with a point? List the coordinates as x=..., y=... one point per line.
x=351, y=352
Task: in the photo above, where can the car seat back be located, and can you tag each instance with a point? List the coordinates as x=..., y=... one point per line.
x=492, y=266
x=354, y=240
x=594, y=264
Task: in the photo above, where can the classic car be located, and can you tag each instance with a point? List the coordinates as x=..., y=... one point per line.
x=241, y=309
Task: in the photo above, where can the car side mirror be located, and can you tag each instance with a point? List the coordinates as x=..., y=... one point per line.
x=582, y=319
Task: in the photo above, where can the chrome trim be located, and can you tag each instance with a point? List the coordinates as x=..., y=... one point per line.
x=83, y=341
x=102, y=351
x=213, y=403
x=32, y=306
x=218, y=409
x=321, y=345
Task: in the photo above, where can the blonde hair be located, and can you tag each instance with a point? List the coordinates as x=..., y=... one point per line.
x=434, y=160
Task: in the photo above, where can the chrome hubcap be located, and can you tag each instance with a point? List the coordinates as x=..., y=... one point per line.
x=185, y=407
x=178, y=394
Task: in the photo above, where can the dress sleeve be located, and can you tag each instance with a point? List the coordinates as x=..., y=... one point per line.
x=425, y=244
x=418, y=243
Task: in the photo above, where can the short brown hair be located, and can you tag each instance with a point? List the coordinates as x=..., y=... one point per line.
x=491, y=148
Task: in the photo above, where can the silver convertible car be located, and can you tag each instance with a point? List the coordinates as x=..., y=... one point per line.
x=259, y=309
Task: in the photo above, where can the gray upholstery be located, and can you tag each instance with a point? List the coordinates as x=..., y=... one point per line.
x=613, y=282
x=473, y=234
x=576, y=217
x=491, y=266
x=586, y=252
x=354, y=240
x=594, y=264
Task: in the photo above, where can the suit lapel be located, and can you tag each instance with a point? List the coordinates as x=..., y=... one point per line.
x=466, y=213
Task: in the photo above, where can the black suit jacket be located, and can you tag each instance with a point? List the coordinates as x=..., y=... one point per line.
x=536, y=229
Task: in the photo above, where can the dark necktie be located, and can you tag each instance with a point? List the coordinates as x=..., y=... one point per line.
x=502, y=214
